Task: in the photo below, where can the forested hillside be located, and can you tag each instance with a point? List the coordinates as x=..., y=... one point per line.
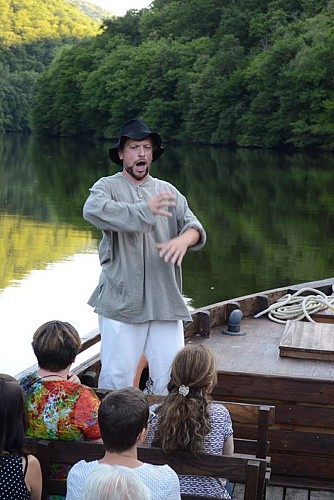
x=246, y=72
x=91, y=10
x=31, y=32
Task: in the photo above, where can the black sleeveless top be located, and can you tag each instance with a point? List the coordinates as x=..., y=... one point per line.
x=12, y=476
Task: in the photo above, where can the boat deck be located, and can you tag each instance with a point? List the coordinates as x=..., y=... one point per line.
x=276, y=493
x=258, y=352
x=250, y=369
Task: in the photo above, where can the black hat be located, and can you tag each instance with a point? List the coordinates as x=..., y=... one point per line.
x=136, y=129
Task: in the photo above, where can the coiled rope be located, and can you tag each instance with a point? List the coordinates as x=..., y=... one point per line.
x=296, y=307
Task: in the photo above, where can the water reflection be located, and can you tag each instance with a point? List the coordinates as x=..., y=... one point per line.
x=26, y=245
x=55, y=292
x=268, y=215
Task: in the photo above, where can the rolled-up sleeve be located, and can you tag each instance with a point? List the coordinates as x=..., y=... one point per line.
x=108, y=214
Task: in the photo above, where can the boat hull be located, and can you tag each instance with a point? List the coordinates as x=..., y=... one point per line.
x=251, y=370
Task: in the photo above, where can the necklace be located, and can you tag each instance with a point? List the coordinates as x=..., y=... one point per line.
x=33, y=382
x=41, y=377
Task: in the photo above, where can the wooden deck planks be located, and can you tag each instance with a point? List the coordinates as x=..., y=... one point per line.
x=295, y=494
x=278, y=493
x=308, y=340
x=257, y=352
x=322, y=495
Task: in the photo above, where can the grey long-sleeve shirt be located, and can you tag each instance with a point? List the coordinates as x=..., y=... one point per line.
x=136, y=285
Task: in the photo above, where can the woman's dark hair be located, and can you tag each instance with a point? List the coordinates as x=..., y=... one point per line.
x=56, y=345
x=13, y=418
x=183, y=417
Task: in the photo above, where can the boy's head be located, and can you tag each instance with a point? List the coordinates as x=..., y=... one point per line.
x=123, y=414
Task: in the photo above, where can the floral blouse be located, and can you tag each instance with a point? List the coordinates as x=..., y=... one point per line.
x=60, y=409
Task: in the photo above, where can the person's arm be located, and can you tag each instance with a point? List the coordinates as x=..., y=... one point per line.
x=33, y=478
x=86, y=414
x=190, y=233
x=221, y=428
x=74, y=484
x=175, y=249
x=174, y=486
x=139, y=370
x=107, y=214
x=229, y=446
x=72, y=377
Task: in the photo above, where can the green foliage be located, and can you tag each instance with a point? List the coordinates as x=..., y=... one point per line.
x=28, y=21
x=241, y=72
x=126, y=27
x=211, y=117
x=56, y=111
x=30, y=33
x=91, y=10
x=115, y=85
x=182, y=19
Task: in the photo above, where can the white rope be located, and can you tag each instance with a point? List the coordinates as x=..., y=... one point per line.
x=296, y=307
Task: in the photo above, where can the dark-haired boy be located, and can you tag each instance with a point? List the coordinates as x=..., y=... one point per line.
x=123, y=420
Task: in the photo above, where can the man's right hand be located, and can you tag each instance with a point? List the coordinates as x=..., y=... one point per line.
x=160, y=203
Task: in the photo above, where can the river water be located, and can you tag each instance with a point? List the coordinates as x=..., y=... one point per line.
x=268, y=217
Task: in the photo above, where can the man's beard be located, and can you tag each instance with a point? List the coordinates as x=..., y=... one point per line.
x=137, y=177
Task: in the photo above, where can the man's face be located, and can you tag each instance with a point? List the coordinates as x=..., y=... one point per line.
x=137, y=157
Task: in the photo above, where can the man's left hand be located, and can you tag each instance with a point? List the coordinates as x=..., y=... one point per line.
x=175, y=249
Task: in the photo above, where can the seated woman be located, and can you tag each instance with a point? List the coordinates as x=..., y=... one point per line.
x=58, y=405
x=20, y=472
x=187, y=420
x=114, y=483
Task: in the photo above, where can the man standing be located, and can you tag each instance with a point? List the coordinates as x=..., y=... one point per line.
x=147, y=229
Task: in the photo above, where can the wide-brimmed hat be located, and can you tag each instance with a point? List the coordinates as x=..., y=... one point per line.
x=136, y=129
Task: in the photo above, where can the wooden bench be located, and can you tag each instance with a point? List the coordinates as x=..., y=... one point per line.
x=238, y=468
x=302, y=438
x=251, y=424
